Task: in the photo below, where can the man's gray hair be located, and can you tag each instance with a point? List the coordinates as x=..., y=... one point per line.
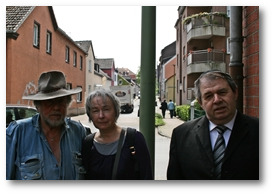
x=213, y=75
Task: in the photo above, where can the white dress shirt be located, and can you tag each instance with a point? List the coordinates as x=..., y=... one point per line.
x=214, y=133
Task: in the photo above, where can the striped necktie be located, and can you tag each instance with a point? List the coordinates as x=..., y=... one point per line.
x=219, y=151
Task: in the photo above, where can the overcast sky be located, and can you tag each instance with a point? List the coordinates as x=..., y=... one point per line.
x=115, y=31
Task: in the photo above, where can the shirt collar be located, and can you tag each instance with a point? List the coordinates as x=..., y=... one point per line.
x=229, y=125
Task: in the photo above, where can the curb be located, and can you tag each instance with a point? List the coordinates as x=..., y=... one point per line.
x=160, y=132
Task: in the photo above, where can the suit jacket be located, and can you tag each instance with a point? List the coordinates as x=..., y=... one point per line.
x=191, y=154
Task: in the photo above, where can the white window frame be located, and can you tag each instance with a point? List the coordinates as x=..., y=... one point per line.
x=36, y=35
x=79, y=96
x=67, y=50
x=48, y=42
x=90, y=65
x=228, y=45
x=81, y=62
x=75, y=59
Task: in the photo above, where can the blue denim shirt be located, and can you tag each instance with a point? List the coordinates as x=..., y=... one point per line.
x=28, y=155
x=171, y=106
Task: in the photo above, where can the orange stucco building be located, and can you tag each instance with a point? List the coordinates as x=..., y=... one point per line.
x=35, y=44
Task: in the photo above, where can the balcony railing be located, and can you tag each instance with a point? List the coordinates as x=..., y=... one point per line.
x=211, y=20
x=206, y=56
x=202, y=60
x=206, y=27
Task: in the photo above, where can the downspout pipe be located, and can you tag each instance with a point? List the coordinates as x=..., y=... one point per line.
x=236, y=52
x=147, y=82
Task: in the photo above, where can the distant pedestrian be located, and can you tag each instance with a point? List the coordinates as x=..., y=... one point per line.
x=223, y=144
x=171, y=108
x=164, y=107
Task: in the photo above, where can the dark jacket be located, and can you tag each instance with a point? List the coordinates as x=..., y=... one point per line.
x=191, y=154
x=164, y=105
x=131, y=167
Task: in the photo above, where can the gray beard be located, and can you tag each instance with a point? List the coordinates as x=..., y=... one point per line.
x=54, y=124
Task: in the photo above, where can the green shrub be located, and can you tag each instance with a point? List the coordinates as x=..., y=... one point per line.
x=159, y=120
x=197, y=105
x=183, y=112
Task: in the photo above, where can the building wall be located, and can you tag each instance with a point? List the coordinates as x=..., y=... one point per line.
x=106, y=82
x=170, y=85
x=183, y=65
x=90, y=76
x=97, y=81
x=170, y=68
x=170, y=89
x=25, y=63
x=180, y=56
x=251, y=60
x=110, y=73
x=184, y=78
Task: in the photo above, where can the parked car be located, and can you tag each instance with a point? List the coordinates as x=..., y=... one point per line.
x=17, y=112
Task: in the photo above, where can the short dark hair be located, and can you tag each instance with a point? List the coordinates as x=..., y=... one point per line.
x=212, y=75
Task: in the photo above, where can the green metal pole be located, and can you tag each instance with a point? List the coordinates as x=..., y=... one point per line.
x=147, y=81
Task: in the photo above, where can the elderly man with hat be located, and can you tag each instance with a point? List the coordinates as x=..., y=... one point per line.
x=48, y=145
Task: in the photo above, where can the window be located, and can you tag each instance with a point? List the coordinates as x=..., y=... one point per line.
x=228, y=11
x=89, y=89
x=36, y=35
x=228, y=45
x=69, y=86
x=67, y=54
x=81, y=61
x=184, y=84
x=75, y=59
x=48, y=42
x=97, y=67
x=79, y=96
x=184, y=53
x=190, y=94
x=184, y=26
x=90, y=66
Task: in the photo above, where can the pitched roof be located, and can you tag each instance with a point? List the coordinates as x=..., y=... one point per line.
x=85, y=44
x=168, y=52
x=127, y=72
x=16, y=15
x=107, y=63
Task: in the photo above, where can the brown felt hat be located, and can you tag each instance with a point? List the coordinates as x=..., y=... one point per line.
x=52, y=85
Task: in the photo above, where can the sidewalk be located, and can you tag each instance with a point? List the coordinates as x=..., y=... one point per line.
x=167, y=129
x=162, y=144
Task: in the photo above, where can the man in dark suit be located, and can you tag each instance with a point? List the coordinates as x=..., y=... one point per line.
x=193, y=144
